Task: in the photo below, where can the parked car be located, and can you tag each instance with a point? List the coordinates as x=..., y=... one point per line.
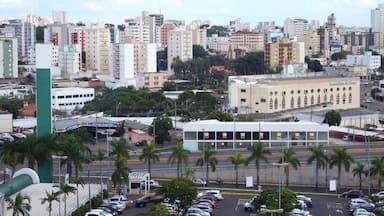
x=208, y=196
x=199, y=182
x=101, y=211
x=141, y=143
x=361, y=203
x=361, y=211
x=379, y=194
x=109, y=210
x=144, y=200
x=299, y=212
x=307, y=200
x=120, y=206
x=198, y=211
x=352, y=194
x=203, y=207
x=153, y=184
x=215, y=193
x=248, y=206
x=18, y=135
x=111, y=206
x=122, y=199
x=211, y=203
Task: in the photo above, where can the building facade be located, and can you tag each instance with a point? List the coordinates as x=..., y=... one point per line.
x=218, y=44
x=164, y=29
x=151, y=80
x=69, y=99
x=25, y=34
x=97, y=49
x=239, y=135
x=70, y=60
x=296, y=28
x=179, y=45
x=276, y=93
x=250, y=41
x=372, y=62
x=284, y=53
x=312, y=44
x=377, y=19
x=8, y=57
x=199, y=37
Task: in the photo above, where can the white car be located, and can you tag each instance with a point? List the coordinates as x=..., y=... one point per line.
x=248, y=206
x=199, y=182
x=101, y=211
x=203, y=207
x=120, y=206
x=379, y=194
x=361, y=211
x=215, y=193
x=151, y=183
x=307, y=200
x=19, y=135
x=299, y=212
x=198, y=211
x=118, y=198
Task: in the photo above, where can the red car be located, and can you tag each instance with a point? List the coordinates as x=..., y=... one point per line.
x=210, y=202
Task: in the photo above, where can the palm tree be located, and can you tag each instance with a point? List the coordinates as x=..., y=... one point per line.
x=49, y=198
x=236, y=160
x=20, y=206
x=119, y=149
x=288, y=157
x=340, y=158
x=121, y=172
x=150, y=154
x=317, y=155
x=209, y=160
x=65, y=189
x=258, y=152
x=29, y=149
x=180, y=156
x=77, y=153
x=359, y=171
x=10, y=154
x=189, y=172
x=377, y=169
x=78, y=181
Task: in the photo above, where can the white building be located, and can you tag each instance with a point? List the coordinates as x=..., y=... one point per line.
x=69, y=99
x=70, y=60
x=8, y=57
x=127, y=60
x=372, y=62
x=239, y=135
x=218, y=44
x=57, y=34
x=377, y=18
x=59, y=17
x=179, y=45
x=296, y=28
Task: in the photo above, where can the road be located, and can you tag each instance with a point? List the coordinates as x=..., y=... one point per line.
x=323, y=205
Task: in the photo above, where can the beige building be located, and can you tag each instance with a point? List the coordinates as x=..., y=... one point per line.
x=151, y=80
x=5, y=122
x=179, y=45
x=250, y=41
x=378, y=39
x=276, y=93
x=199, y=37
x=312, y=44
x=283, y=53
x=97, y=49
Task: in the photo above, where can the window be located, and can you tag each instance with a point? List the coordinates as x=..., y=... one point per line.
x=337, y=99
x=292, y=102
x=298, y=102
x=331, y=99
x=325, y=99
x=283, y=103
x=270, y=104
x=350, y=98
x=243, y=100
x=243, y=90
x=305, y=100
x=312, y=100
x=344, y=98
x=276, y=104
x=60, y=97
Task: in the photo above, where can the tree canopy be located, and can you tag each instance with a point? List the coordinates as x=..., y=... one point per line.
x=181, y=189
x=270, y=198
x=339, y=55
x=332, y=117
x=251, y=64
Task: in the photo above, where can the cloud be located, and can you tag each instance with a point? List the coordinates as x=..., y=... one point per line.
x=11, y=3
x=93, y=6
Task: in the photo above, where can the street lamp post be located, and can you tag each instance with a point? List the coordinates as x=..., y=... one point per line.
x=59, y=157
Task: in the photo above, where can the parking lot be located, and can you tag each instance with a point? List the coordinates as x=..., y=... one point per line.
x=323, y=205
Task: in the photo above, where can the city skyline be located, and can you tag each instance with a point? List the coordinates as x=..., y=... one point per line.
x=347, y=12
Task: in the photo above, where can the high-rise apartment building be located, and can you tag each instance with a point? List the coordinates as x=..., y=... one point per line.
x=164, y=29
x=8, y=57
x=57, y=34
x=296, y=28
x=377, y=18
x=70, y=60
x=25, y=34
x=179, y=45
x=249, y=41
x=331, y=26
x=59, y=17
x=355, y=42
x=218, y=44
x=283, y=53
x=97, y=39
x=312, y=44
x=199, y=37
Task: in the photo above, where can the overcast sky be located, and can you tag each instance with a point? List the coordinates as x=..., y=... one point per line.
x=348, y=12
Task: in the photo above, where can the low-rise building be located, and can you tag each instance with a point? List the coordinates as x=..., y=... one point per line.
x=239, y=135
x=5, y=122
x=69, y=99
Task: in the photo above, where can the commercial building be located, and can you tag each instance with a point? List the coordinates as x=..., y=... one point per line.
x=8, y=57
x=250, y=41
x=69, y=99
x=284, y=53
x=179, y=45
x=97, y=49
x=239, y=135
x=372, y=62
x=296, y=28
x=151, y=80
x=277, y=93
x=355, y=42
